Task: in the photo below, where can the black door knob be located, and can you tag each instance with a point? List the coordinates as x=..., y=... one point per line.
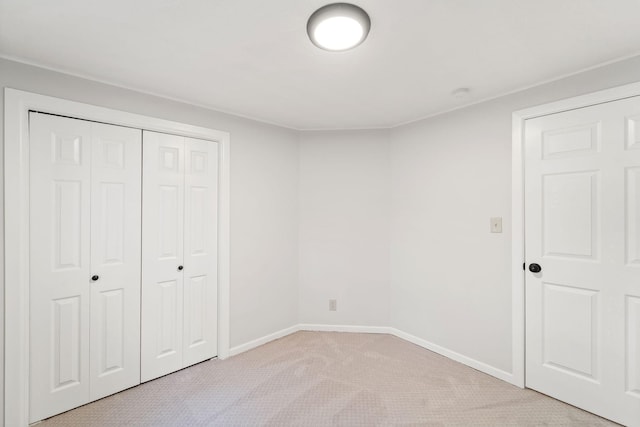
x=180, y=267
x=535, y=268
x=95, y=278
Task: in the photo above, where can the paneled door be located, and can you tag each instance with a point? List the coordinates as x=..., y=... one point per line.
x=84, y=262
x=200, y=324
x=179, y=266
x=163, y=249
x=582, y=216
x=116, y=205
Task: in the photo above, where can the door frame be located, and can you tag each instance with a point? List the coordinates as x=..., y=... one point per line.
x=518, y=274
x=17, y=105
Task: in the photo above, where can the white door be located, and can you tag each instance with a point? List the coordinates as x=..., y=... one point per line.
x=162, y=249
x=116, y=205
x=84, y=221
x=60, y=265
x=200, y=338
x=582, y=213
x=179, y=266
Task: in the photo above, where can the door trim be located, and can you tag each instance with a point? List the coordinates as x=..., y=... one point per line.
x=17, y=105
x=517, y=206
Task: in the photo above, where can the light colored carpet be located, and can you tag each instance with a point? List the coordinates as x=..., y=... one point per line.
x=328, y=378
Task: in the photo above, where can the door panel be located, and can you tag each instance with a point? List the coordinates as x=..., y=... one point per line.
x=582, y=222
x=111, y=338
x=571, y=329
x=195, y=323
x=67, y=352
x=200, y=251
x=60, y=153
x=632, y=229
x=169, y=231
x=112, y=230
x=115, y=258
x=633, y=346
x=168, y=334
x=67, y=213
x=570, y=218
x=162, y=237
x=633, y=133
x=570, y=142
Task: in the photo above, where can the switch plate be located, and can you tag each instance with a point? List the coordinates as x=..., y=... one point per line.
x=496, y=225
x=333, y=305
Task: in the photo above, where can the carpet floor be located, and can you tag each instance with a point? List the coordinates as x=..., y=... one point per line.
x=327, y=379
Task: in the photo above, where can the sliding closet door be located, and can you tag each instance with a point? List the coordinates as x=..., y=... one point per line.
x=60, y=286
x=162, y=249
x=200, y=251
x=84, y=262
x=115, y=258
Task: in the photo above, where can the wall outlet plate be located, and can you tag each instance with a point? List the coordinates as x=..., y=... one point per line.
x=333, y=305
x=496, y=225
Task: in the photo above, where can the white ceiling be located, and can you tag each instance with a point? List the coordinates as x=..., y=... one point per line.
x=253, y=58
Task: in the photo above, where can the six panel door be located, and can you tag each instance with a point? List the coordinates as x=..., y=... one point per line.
x=200, y=251
x=85, y=222
x=162, y=254
x=582, y=210
x=115, y=258
x=60, y=265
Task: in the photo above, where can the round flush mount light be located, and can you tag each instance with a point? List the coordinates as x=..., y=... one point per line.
x=338, y=26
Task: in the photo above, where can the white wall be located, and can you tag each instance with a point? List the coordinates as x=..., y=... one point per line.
x=450, y=277
x=264, y=232
x=264, y=194
x=344, y=227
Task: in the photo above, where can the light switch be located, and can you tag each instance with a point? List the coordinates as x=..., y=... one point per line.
x=496, y=225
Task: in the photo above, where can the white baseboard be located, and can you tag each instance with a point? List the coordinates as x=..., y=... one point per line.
x=465, y=360
x=343, y=328
x=262, y=340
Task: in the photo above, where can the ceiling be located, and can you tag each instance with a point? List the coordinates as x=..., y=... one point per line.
x=253, y=58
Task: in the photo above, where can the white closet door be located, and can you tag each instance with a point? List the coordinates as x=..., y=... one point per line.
x=85, y=221
x=200, y=251
x=180, y=252
x=115, y=258
x=162, y=248
x=60, y=152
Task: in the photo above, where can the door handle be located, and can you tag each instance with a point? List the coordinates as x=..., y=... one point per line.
x=535, y=268
x=95, y=278
x=180, y=267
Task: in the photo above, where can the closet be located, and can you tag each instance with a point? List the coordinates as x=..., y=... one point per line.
x=122, y=283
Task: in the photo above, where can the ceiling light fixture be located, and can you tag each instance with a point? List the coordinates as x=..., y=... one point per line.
x=338, y=26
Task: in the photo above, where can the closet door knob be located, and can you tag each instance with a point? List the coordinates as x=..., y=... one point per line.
x=180, y=267
x=95, y=278
x=535, y=268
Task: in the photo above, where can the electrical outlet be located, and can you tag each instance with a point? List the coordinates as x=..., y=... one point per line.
x=333, y=305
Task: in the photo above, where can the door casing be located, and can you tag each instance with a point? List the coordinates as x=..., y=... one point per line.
x=17, y=105
x=518, y=256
